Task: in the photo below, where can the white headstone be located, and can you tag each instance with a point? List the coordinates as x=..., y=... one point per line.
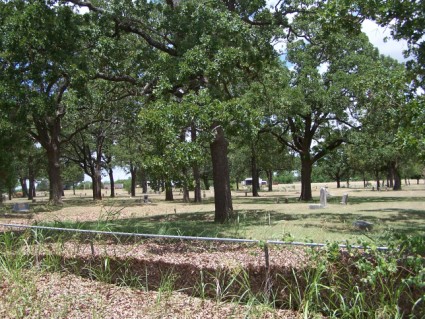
x=323, y=200
x=323, y=197
x=344, y=199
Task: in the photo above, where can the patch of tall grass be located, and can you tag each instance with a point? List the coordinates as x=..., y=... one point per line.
x=336, y=283
x=361, y=284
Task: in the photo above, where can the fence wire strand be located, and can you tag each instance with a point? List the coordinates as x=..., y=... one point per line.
x=195, y=238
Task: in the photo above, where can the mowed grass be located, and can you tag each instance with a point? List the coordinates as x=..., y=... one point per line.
x=276, y=215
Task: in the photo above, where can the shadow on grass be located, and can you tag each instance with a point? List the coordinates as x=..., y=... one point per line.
x=332, y=200
x=404, y=221
x=202, y=223
x=15, y=216
x=399, y=214
x=265, y=200
x=361, y=200
x=184, y=224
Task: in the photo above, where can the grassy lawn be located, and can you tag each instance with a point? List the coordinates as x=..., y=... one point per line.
x=276, y=215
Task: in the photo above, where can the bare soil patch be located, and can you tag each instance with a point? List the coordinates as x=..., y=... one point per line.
x=187, y=265
x=59, y=295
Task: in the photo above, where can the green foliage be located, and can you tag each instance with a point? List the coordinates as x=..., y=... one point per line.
x=84, y=185
x=356, y=284
x=11, y=161
x=283, y=177
x=42, y=53
x=43, y=185
x=319, y=175
x=72, y=174
x=411, y=132
x=406, y=21
x=376, y=149
x=127, y=185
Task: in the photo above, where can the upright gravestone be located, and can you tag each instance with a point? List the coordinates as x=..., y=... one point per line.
x=344, y=199
x=323, y=200
x=323, y=197
x=146, y=199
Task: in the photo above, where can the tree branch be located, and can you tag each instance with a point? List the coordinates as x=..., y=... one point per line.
x=356, y=127
x=78, y=130
x=62, y=89
x=333, y=145
x=285, y=142
x=115, y=78
x=128, y=27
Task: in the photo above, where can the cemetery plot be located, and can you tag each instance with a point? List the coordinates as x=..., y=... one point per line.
x=21, y=208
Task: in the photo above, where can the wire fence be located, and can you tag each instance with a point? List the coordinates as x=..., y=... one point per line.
x=194, y=238
x=266, y=245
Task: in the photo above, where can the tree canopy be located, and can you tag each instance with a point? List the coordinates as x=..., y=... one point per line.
x=162, y=87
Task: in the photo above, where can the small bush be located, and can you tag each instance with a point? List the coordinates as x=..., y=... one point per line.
x=362, y=284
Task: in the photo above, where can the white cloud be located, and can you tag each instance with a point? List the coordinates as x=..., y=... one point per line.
x=119, y=173
x=376, y=36
x=390, y=47
x=272, y=3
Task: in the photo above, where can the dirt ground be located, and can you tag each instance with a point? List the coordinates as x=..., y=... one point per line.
x=66, y=295
x=61, y=295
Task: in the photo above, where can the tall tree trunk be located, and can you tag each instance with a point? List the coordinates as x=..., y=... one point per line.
x=197, y=178
x=397, y=177
x=205, y=179
x=98, y=166
x=186, y=197
x=378, y=185
x=97, y=179
x=195, y=169
x=269, y=174
x=48, y=129
x=306, y=169
x=338, y=181
x=97, y=185
x=254, y=173
x=390, y=177
x=222, y=193
x=184, y=171
x=169, y=191
x=133, y=174
x=31, y=189
x=24, y=187
x=111, y=182
x=31, y=178
x=54, y=172
x=144, y=181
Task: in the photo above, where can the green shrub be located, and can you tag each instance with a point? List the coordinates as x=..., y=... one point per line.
x=362, y=284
